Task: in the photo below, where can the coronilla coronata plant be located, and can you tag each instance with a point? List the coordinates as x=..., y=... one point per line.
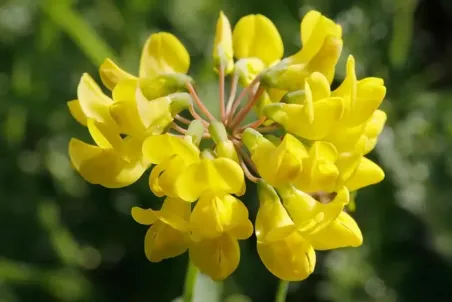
x=305, y=149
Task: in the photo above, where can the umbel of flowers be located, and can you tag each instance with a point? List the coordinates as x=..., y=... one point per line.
x=305, y=150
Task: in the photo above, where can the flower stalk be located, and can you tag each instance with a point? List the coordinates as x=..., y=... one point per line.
x=191, y=276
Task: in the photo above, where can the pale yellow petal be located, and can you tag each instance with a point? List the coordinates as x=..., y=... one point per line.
x=222, y=48
x=157, y=148
x=342, y=232
x=367, y=173
x=176, y=213
x=111, y=74
x=163, y=53
x=144, y=216
x=220, y=175
x=76, y=111
x=291, y=259
x=217, y=258
x=163, y=242
x=256, y=36
x=93, y=102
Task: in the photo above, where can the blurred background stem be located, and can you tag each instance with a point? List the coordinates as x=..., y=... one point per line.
x=281, y=292
x=190, y=281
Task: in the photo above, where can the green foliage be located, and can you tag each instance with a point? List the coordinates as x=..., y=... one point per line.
x=65, y=240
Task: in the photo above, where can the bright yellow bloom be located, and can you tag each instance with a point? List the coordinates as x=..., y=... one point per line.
x=181, y=170
x=216, y=223
x=113, y=163
x=319, y=170
x=162, y=53
x=316, y=116
x=168, y=235
x=278, y=165
x=288, y=233
x=322, y=46
x=361, y=100
x=257, y=44
x=306, y=151
x=223, y=52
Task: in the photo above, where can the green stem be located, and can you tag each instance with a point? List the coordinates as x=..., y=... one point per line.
x=190, y=281
x=281, y=293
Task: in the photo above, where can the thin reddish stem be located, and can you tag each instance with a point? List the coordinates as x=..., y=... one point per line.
x=179, y=128
x=182, y=119
x=242, y=113
x=232, y=92
x=247, y=172
x=197, y=116
x=244, y=156
x=253, y=125
x=242, y=94
x=198, y=102
x=222, y=108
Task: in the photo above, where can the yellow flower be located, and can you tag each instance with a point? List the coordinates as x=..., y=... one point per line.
x=319, y=170
x=278, y=165
x=113, y=163
x=216, y=223
x=315, y=117
x=306, y=151
x=129, y=112
x=162, y=53
x=257, y=44
x=92, y=103
x=322, y=46
x=288, y=250
x=168, y=235
x=181, y=170
x=361, y=100
x=223, y=52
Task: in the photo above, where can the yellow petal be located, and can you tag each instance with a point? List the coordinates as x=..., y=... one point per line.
x=163, y=242
x=163, y=176
x=144, y=216
x=342, y=232
x=310, y=215
x=80, y=152
x=217, y=258
x=369, y=97
x=220, y=175
x=375, y=124
x=163, y=53
x=367, y=173
x=77, y=112
x=281, y=164
x=319, y=86
x=256, y=36
x=222, y=48
x=111, y=74
x=326, y=59
x=291, y=259
x=314, y=29
x=157, y=148
x=319, y=170
x=104, y=136
x=214, y=215
x=272, y=221
x=175, y=213
x=247, y=69
x=105, y=166
x=93, y=102
x=295, y=119
x=155, y=112
x=343, y=137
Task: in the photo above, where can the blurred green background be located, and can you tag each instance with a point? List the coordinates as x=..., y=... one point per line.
x=62, y=239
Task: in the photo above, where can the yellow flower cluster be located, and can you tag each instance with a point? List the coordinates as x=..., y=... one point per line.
x=306, y=150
